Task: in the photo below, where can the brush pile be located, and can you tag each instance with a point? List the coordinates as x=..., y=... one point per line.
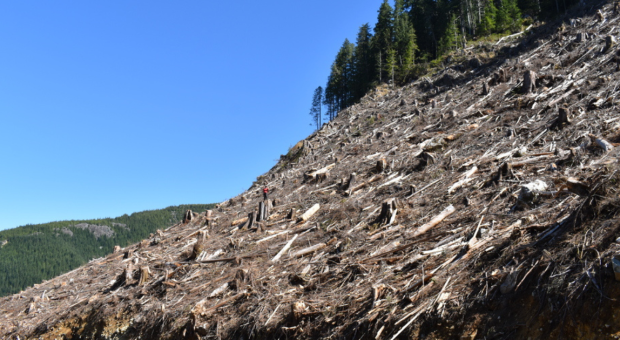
x=478, y=203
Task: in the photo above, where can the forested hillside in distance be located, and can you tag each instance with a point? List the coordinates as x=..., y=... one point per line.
x=32, y=253
x=413, y=35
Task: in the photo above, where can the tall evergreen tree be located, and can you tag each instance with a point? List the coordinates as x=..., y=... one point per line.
x=404, y=42
x=363, y=62
x=502, y=18
x=487, y=25
x=315, y=110
x=514, y=13
x=382, y=40
x=449, y=39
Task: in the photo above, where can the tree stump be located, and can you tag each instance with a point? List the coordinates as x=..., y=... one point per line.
x=610, y=42
x=529, y=81
x=563, y=114
x=197, y=250
x=291, y=214
x=485, y=88
x=581, y=37
x=433, y=103
x=127, y=276
x=261, y=212
x=501, y=76
x=189, y=216
x=381, y=165
x=144, y=275
x=388, y=209
x=117, y=249
x=251, y=220
x=599, y=15
x=351, y=181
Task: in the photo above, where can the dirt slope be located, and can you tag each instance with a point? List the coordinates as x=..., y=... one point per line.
x=522, y=247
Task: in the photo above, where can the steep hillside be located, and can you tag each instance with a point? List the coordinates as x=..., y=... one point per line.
x=33, y=253
x=473, y=204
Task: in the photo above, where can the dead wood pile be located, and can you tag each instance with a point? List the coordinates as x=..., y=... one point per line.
x=421, y=205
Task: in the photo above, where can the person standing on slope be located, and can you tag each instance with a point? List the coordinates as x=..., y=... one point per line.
x=265, y=193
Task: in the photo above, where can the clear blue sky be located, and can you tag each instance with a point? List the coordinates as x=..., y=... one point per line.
x=113, y=107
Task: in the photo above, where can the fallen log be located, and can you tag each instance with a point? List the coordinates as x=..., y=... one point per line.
x=309, y=213
x=467, y=177
x=309, y=250
x=601, y=143
x=435, y=221
x=284, y=249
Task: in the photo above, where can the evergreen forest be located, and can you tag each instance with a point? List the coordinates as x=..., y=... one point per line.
x=33, y=253
x=413, y=34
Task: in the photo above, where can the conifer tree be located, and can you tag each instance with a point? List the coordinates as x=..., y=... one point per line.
x=487, y=25
x=502, y=18
x=315, y=110
x=382, y=40
x=363, y=63
x=514, y=13
x=404, y=42
x=449, y=40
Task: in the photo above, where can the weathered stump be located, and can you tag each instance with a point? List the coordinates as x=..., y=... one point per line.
x=610, y=41
x=485, y=88
x=351, y=181
x=188, y=216
x=388, y=210
x=381, y=165
x=251, y=220
x=581, y=37
x=529, y=81
x=563, y=116
x=291, y=214
x=144, y=275
x=261, y=212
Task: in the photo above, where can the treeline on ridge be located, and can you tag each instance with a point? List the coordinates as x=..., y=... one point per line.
x=413, y=33
x=33, y=253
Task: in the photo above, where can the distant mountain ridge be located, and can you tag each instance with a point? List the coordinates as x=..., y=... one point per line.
x=32, y=253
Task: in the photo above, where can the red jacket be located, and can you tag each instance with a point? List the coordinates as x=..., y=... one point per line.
x=266, y=190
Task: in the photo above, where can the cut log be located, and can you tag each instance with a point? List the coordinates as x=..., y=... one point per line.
x=435, y=221
x=530, y=191
x=529, y=81
x=309, y=213
x=313, y=175
x=467, y=177
x=309, y=250
x=239, y=221
x=284, y=249
x=601, y=143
